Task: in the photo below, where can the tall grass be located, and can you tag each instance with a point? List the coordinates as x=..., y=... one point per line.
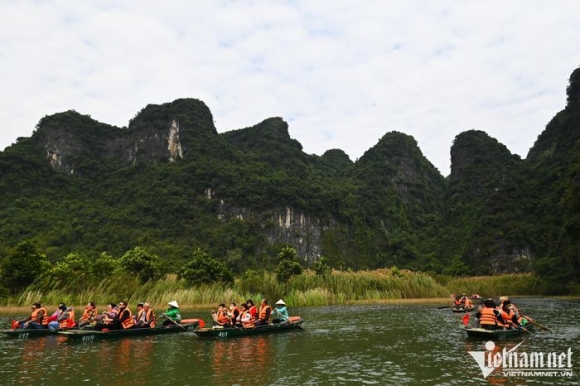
x=307, y=289
x=493, y=286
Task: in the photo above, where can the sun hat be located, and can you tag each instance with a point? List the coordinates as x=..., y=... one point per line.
x=281, y=302
x=173, y=303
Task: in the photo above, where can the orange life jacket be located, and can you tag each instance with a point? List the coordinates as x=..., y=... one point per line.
x=69, y=322
x=34, y=316
x=150, y=317
x=488, y=317
x=129, y=322
x=507, y=318
x=89, y=312
x=222, y=317
x=457, y=303
x=263, y=311
x=246, y=324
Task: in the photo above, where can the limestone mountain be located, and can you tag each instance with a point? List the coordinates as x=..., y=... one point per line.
x=170, y=182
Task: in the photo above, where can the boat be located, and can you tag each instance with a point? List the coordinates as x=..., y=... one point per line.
x=477, y=332
x=294, y=322
x=89, y=335
x=462, y=309
x=24, y=333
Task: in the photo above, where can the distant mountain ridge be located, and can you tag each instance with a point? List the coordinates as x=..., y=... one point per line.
x=171, y=182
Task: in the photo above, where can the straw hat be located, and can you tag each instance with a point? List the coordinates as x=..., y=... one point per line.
x=280, y=302
x=173, y=303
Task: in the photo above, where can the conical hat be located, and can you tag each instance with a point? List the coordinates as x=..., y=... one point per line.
x=280, y=302
x=173, y=303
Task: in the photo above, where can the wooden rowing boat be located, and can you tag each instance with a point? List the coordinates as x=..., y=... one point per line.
x=35, y=333
x=477, y=332
x=24, y=333
x=295, y=322
x=89, y=335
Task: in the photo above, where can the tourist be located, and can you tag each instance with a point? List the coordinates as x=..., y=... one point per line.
x=89, y=316
x=146, y=316
x=38, y=318
x=264, y=314
x=220, y=317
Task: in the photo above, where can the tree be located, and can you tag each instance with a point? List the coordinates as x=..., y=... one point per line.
x=289, y=264
x=321, y=267
x=140, y=262
x=204, y=269
x=22, y=266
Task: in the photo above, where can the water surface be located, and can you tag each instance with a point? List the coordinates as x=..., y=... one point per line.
x=339, y=345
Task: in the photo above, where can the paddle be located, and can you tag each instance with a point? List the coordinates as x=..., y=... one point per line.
x=536, y=323
x=440, y=308
x=288, y=320
x=173, y=321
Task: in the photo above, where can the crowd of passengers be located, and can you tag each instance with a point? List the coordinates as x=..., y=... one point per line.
x=118, y=316
x=504, y=316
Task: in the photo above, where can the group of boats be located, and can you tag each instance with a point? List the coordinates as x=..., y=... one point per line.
x=499, y=334
x=192, y=325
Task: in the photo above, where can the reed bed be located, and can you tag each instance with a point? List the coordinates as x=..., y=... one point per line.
x=308, y=289
x=494, y=286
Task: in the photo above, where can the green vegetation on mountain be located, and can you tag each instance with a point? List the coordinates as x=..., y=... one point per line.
x=169, y=195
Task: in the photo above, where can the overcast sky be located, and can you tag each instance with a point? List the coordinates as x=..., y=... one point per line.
x=341, y=73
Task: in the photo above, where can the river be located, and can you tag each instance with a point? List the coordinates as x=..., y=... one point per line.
x=338, y=345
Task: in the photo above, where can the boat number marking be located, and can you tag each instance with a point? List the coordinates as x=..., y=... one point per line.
x=89, y=337
x=223, y=334
x=23, y=335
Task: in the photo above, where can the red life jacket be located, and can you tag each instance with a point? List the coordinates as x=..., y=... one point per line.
x=69, y=322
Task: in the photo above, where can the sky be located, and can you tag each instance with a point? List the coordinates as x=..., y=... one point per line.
x=342, y=73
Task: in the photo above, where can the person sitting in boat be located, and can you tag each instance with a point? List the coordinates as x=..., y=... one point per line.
x=172, y=314
x=124, y=319
x=38, y=318
x=220, y=317
x=264, y=314
x=233, y=313
x=457, y=302
x=105, y=320
x=139, y=311
x=252, y=309
x=64, y=319
x=245, y=318
x=89, y=316
x=465, y=301
x=145, y=316
x=489, y=317
x=280, y=313
x=503, y=299
x=510, y=319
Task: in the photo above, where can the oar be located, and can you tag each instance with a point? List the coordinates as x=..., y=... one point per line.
x=537, y=324
x=289, y=321
x=526, y=330
x=440, y=308
x=173, y=321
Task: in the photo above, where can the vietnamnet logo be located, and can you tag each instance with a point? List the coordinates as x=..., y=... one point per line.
x=521, y=364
